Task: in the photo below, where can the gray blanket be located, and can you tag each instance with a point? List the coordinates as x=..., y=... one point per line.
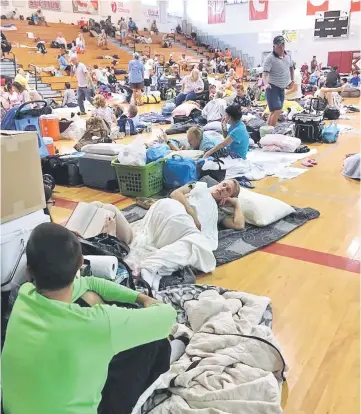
x=235, y=244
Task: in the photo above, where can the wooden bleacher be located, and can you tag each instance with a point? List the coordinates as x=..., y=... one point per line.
x=26, y=56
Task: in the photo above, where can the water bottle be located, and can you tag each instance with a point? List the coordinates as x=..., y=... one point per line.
x=127, y=128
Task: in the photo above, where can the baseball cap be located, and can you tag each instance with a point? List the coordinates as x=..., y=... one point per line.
x=278, y=40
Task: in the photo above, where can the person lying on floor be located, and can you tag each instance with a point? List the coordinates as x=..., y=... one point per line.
x=225, y=194
x=79, y=355
x=236, y=140
x=196, y=140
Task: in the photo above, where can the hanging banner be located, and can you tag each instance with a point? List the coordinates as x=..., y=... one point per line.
x=291, y=36
x=258, y=9
x=45, y=5
x=314, y=6
x=355, y=5
x=86, y=6
x=120, y=7
x=216, y=11
x=152, y=13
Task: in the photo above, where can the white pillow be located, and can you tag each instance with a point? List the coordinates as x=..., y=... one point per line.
x=102, y=148
x=261, y=210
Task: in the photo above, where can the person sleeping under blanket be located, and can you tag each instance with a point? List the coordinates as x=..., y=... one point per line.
x=79, y=354
x=196, y=140
x=182, y=231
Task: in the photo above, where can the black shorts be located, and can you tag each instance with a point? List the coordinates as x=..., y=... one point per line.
x=147, y=82
x=137, y=86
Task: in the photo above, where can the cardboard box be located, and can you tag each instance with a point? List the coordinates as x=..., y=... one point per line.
x=22, y=188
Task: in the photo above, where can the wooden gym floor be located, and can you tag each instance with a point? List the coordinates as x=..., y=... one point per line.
x=311, y=275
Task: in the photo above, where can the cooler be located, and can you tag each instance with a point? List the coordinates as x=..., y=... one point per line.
x=49, y=126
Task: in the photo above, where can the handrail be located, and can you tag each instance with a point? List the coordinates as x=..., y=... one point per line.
x=14, y=59
x=163, y=59
x=36, y=79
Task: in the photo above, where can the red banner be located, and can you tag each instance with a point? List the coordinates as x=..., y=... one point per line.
x=120, y=7
x=86, y=6
x=314, y=6
x=45, y=5
x=216, y=11
x=355, y=5
x=258, y=9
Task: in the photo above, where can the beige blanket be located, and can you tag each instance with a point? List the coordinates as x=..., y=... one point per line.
x=231, y=365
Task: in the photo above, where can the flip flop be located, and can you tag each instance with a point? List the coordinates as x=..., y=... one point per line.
x=313, y=161
x=145, y=202
x=244, y=182
x=307, y=163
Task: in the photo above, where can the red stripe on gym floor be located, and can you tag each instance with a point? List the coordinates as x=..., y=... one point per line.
x=313, y=256
x=64, y=203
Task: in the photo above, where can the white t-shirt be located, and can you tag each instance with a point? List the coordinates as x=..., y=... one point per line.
x=298, y=81
x=61, y=41
x=81, y=75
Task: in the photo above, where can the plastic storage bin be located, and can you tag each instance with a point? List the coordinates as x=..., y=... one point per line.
x=49, y=125
x=139, y=181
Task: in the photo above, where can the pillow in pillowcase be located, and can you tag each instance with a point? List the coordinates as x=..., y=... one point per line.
x=261, y=210
x=102, y=148
x=184, y=109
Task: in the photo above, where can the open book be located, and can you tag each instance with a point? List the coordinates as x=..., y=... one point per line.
x=88, y=220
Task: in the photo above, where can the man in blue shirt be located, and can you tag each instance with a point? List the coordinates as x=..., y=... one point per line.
x=236, y=138
x=355, y=80
x=136, y=78
x=132, y=26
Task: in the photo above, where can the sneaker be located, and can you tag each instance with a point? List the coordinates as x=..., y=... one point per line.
x=82, y=113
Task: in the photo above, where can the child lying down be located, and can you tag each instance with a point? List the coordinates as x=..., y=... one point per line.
x=182, y=230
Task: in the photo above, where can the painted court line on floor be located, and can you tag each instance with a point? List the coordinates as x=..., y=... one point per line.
x=313, y=256
x=280, y=249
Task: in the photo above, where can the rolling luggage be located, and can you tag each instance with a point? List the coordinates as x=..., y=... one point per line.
x=308, y=125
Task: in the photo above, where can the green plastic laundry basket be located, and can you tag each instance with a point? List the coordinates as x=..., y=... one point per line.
x=139, y=181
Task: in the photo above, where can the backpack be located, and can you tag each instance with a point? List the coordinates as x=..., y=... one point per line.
x=6, y=46
x=331, y=113
x=170, y=94
x=253, y=128
x=178, y=171
x=121, y=124
x=319, y=104
x=64, y=170
x=168, y=108
x=54, y=45
x=95, y=127
x=330, y=134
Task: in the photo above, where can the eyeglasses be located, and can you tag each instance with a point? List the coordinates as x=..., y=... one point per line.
x=51, y=202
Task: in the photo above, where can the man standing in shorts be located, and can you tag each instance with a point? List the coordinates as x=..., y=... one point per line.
x=136, y=78
x=278, y=75
x=83, y=78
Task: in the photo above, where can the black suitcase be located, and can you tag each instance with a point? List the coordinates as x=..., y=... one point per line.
x=331, y=113
x=308, y=125
x=253, y=126
x=64, y=169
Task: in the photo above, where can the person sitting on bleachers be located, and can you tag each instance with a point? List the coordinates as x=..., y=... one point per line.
x=154, y=28
x=64, y=63
x=22, y=94
x=60, y=40
x=192, y=85
x=103, y=40
x=228, y=53
x=166, y=42
x=132, y=27
x=215, y=109
x=80, y=43
x=41, y=18
x=69, y=98
x=98, y=76
x=22, y=77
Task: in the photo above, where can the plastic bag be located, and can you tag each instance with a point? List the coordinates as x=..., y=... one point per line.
x=179, y=171
x=134, y=154
x=157, y=152
x=330, y=133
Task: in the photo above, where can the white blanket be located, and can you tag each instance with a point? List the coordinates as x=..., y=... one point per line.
x=231, y=365
x=258, y=164
x=168, y=239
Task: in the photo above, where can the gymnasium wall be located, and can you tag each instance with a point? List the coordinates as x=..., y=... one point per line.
x=143, y=14
x=254, y=37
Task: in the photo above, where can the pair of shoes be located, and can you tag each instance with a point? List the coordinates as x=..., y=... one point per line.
x=309, y=162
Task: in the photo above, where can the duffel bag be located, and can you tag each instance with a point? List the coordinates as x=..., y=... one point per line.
x=253, y=128
x=151, y=99
x=331, y=113
x=64, y=170
x=179, y=171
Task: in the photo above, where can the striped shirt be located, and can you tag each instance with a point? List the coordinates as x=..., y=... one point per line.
x=278, y=69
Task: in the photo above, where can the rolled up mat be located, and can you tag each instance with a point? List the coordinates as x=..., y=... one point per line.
x=103, y=266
